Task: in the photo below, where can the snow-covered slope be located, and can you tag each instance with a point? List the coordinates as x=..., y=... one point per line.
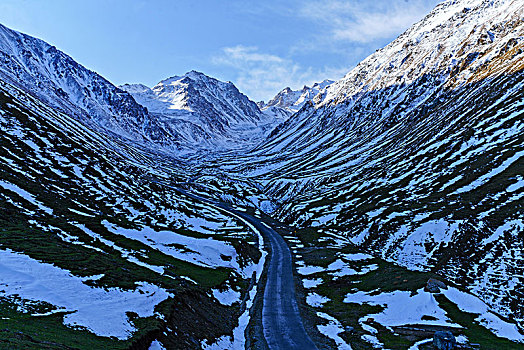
x=55, y=78
x=208, y=112
x=417, y=153
x=459, y=42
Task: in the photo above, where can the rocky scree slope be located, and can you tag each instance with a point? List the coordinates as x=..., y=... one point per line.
x=417, y=154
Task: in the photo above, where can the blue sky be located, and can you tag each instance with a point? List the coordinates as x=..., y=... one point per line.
x=261, y=46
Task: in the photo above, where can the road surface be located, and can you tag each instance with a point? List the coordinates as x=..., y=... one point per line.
x=281, y=321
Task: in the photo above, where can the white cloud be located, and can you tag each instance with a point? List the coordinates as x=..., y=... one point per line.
x=261, y=75
x=249, y=54
x=364, y=22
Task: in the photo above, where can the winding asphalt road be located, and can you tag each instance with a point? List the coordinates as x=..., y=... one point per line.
x=281, y=321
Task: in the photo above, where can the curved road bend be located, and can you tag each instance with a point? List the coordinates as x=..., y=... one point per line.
x=281, y=321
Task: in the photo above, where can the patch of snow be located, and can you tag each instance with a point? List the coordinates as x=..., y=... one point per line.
x=509, y=225
x=373, y=341
x=413, y=252
x=340, y=268
x=100, y=310
x=25, y=195
x=204, y=252
x=420, y=342
x=471, y=304
x=401, y=308
x=227, y=297
x=360, y=237
x=461, y=339
x=309, y=269
x=356, y=256
x=311, y=283
x=316, y=300
x=222, y=343
x=332, y=330
x=156, y=345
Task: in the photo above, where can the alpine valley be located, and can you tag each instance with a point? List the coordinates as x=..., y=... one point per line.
x=383, y=210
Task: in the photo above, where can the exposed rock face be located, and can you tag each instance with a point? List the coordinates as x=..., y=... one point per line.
x=434, y=286
x=444, y=340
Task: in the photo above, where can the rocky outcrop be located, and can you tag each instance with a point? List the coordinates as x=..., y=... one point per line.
x=434, y=286
x=443, y=340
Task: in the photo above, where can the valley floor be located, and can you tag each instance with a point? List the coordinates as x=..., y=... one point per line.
x=348, y=299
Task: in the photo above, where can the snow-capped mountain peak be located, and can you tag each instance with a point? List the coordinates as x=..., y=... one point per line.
x=292, y=100
x=191, y=92
x=204, y=110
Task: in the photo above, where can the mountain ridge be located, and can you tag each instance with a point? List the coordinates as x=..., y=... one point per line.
x=288, y=102
x=429, y=123
x=52, y=76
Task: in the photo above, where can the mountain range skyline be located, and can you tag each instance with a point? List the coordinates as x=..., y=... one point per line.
x=261, y=47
